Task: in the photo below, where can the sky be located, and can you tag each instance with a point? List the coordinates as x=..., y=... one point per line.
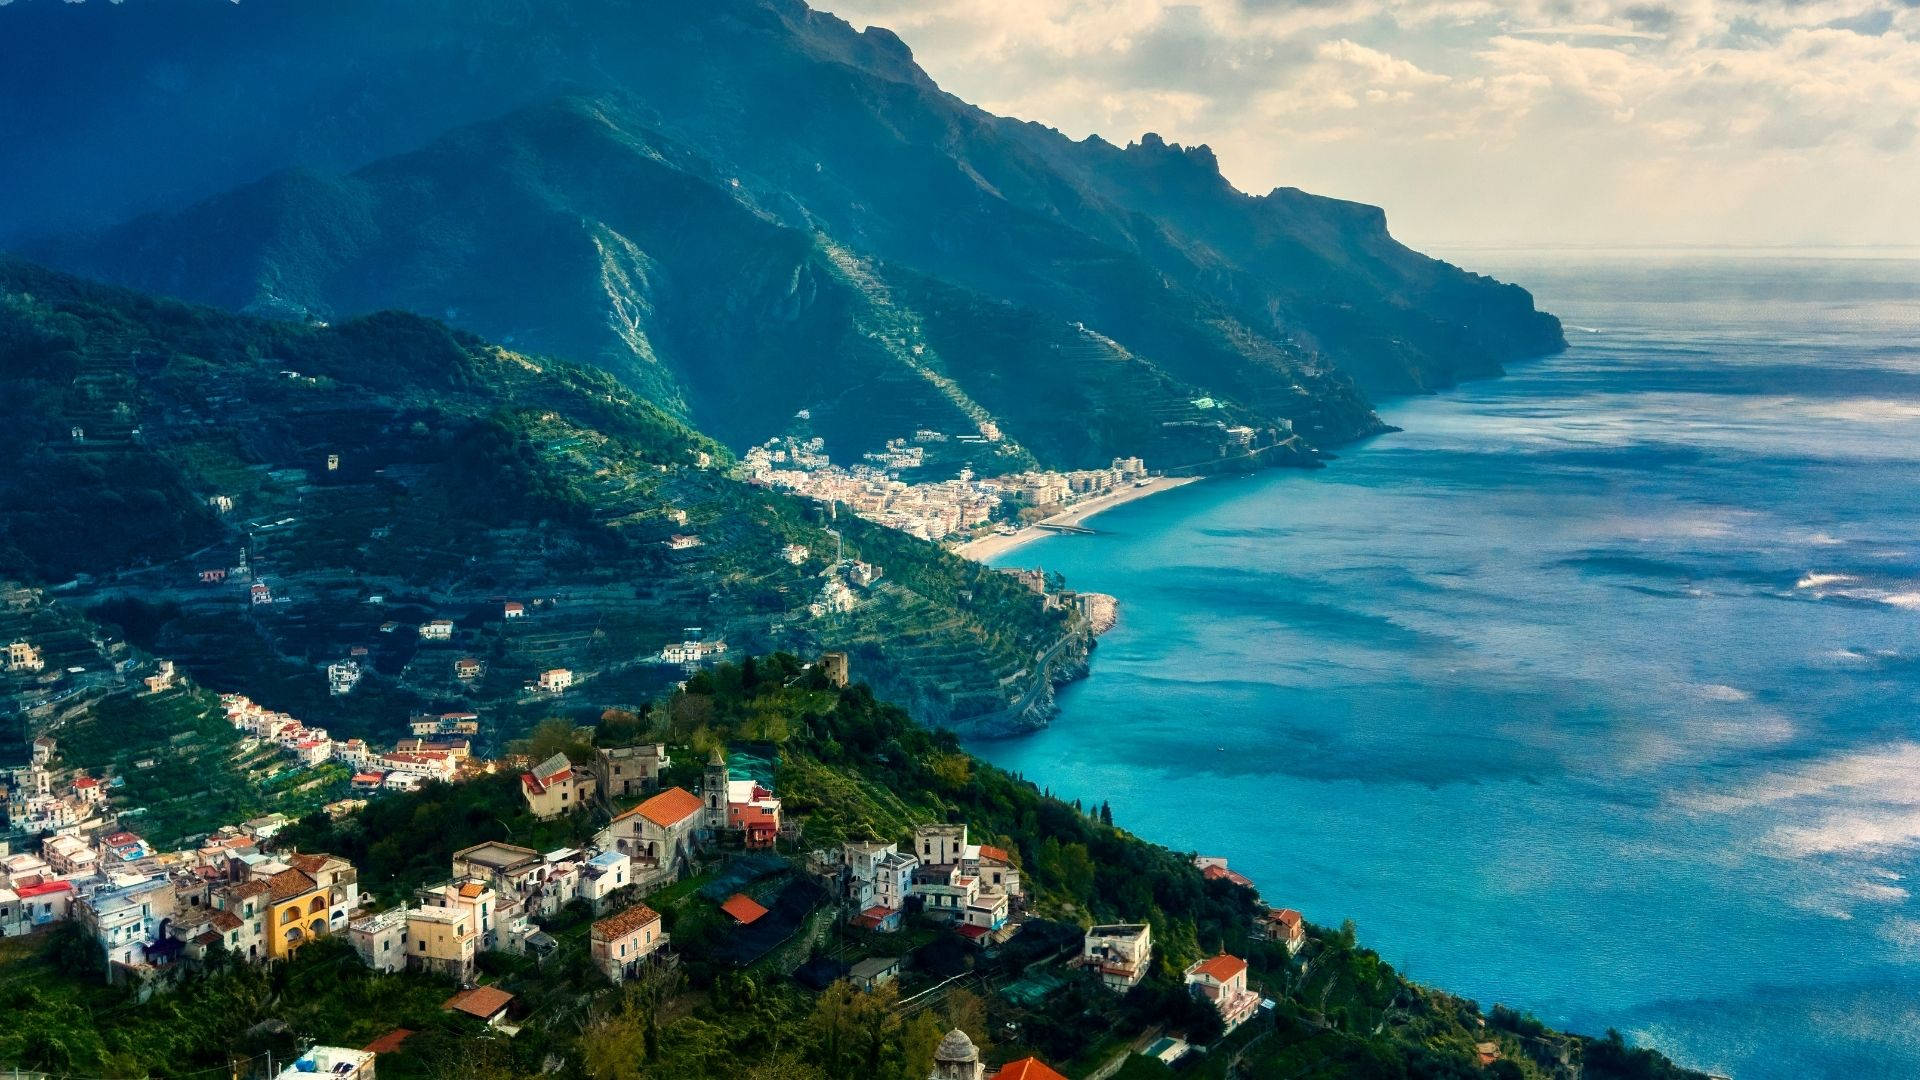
x=1557, y=123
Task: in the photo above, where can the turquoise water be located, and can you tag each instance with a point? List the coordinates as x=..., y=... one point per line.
x=1592, y=692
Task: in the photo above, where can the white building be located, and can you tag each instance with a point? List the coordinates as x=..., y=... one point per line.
x=1222, y=981
x=1119, y=952
x=333, y=1062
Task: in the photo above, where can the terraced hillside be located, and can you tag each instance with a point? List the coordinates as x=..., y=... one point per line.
x=276, y=497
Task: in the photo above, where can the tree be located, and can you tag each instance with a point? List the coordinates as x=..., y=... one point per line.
x=967, y=1011
x=555, y=735
x=614, y=1047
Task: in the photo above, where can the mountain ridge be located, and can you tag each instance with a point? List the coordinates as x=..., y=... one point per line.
x=834, y=132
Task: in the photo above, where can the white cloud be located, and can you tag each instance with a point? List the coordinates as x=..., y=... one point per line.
x=1590, y=121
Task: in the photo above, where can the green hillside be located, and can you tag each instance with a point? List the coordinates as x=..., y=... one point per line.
x=849, y=766
x=462, y=475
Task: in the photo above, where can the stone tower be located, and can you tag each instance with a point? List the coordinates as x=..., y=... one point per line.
x=716, y=790
x=957, y=1059
x=835, y=667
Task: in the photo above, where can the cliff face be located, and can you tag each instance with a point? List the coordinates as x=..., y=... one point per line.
x=837, y=175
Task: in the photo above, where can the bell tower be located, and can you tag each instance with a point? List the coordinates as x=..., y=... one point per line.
x=716, y=789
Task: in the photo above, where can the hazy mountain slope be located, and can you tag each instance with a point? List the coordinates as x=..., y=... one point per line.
x=388, y=456
x=569, y=228
x=827, y=130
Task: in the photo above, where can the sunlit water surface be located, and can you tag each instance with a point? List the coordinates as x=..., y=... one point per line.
x=1593, y=691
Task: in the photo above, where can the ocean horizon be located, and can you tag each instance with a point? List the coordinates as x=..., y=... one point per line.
x=1590, y=692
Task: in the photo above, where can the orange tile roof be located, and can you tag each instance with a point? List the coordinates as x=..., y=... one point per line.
x=388, y=1043
x=1221, y=873
x=1027, y=1068
x=310, y=864
x=615, y=927
x=667, y=809
x=481, y=1001
x=1286, y=916
x=988, y=851
x=1219, y=968
x=743, y=908
x=288, y=884
x=472, y=889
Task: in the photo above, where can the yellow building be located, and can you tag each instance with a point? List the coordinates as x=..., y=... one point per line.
x=296, y=912
x=310, y=899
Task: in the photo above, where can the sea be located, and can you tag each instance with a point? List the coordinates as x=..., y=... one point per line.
x=1593, y=691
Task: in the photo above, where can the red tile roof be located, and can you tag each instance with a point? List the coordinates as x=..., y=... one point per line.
x=388, y=1043
x=988, y=851
x=743, y=908
x=615, y=927
x=482, y=1001
x=1219, y=968
x=308, y=864
x=667, y=809
x=288, y=884
x=972, y=932
x=872, y=917
x=1221, y=873
x=1027, y=1068
x=43, y=889
x=1286, y=917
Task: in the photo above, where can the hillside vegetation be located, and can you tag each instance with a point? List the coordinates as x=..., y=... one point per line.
x=154, y=441
x=852, y=767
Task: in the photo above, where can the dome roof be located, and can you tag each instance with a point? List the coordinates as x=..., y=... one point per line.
x=956, y=1047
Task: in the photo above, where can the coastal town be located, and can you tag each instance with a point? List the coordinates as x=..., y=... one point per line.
x=864, y=912
x=963, y=507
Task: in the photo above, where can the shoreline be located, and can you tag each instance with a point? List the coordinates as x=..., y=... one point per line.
x=994, y=544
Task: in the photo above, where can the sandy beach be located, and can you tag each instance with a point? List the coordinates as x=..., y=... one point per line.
x=988, y=547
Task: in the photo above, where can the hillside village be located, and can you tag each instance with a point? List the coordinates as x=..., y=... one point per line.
x=663, y=867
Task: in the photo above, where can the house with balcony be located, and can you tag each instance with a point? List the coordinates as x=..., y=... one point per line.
x=1285, y=926
x=127, y=920
x=1119, y=953
x=620, y=943
x=1222, y=982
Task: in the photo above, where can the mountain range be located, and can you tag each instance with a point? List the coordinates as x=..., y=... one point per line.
x=744, y=209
